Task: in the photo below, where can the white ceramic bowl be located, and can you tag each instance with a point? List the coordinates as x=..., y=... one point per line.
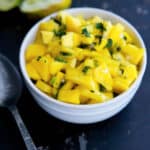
x=83, y=114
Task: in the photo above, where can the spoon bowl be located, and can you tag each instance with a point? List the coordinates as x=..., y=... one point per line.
x=11, y=83
x=11, y=89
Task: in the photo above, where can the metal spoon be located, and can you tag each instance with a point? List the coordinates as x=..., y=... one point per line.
x=10, y=92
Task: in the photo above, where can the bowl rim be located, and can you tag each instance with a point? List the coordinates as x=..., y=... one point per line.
x=85, y=106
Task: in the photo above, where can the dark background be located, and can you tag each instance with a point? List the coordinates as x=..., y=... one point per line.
x=129, y=130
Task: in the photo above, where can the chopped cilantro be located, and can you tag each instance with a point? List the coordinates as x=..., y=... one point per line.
x=82, y=45
x=85, y=69
x=85, y=32
x=38, y=58
x=124, y=37
x=53, y=79
x=100, y=26
x=92, y=91
x=99, y=37
x=87, y=46
x=118, y=48
x=60, y=59
x=102, y=88
x=59, y=33
x=56, y=20
x=122, y=70
x=109, y=43
x=111, y=52
x=65, y=53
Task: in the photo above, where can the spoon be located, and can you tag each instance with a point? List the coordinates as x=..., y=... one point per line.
x=10, y=92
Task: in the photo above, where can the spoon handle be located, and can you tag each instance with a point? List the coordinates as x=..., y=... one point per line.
x=24, y=132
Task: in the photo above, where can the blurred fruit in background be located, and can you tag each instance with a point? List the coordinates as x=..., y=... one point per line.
x=6, y=5
x=35, y=8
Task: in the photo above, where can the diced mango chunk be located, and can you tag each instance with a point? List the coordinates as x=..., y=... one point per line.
x=47, y=36
x=73, y=24
x=32, y=72
x=120, y=85
x=69, y=96
x=34, y=50
x=56, y=66
x=41, y=65
x=49, y=26
x=43, y=86
x=102, y=76
x=133, y=54
x=70, y=40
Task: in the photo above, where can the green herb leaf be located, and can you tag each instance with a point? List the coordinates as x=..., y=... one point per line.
x=100, y=26
x=124, y=37
x=99, y=37
x=102, y=88
x=59, y=33
x=52, y=81
x=109, y=43
x=56, y=20
x=118, y=48
x=111, y=52
x=60, y=59
x=85, y=69
x=85, y=32
x=65, y=53
x=122, y=71
x=87, y=46
x=92, y=91
x=83, y=45
x=38, y=58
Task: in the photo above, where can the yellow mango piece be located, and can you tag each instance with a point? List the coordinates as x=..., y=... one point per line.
x=38, y=38
x=34, y=50
x=87, y=40
x=109, y=95
x=56, y=66
x=70, y=40
x=133, y=53
x=89, y=94
x=43, y=87
x=68, y=85
x=32, y=72
x=113, y=66
x=73, y=24
x=41, y=65
x=54, y=47
x=69, y=96
x=47, y=36
x=116, y=32
x=120, y=85
x=102, y=45
x=102, y=76
x=49, y=26
x=95, y=19
x=79, y=78
x=130, y=73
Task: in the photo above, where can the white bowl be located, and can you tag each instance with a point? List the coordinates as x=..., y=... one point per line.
x=83, y=114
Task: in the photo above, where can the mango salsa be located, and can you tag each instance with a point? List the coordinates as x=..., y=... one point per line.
x=82, y=61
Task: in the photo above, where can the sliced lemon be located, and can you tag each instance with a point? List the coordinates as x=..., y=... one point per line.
x=6, y=5
x=43, y=7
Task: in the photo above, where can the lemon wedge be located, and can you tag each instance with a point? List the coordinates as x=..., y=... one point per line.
x=42, y=8
x=6, y=5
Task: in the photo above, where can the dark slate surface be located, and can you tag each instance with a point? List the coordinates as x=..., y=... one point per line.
x=129, y=130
